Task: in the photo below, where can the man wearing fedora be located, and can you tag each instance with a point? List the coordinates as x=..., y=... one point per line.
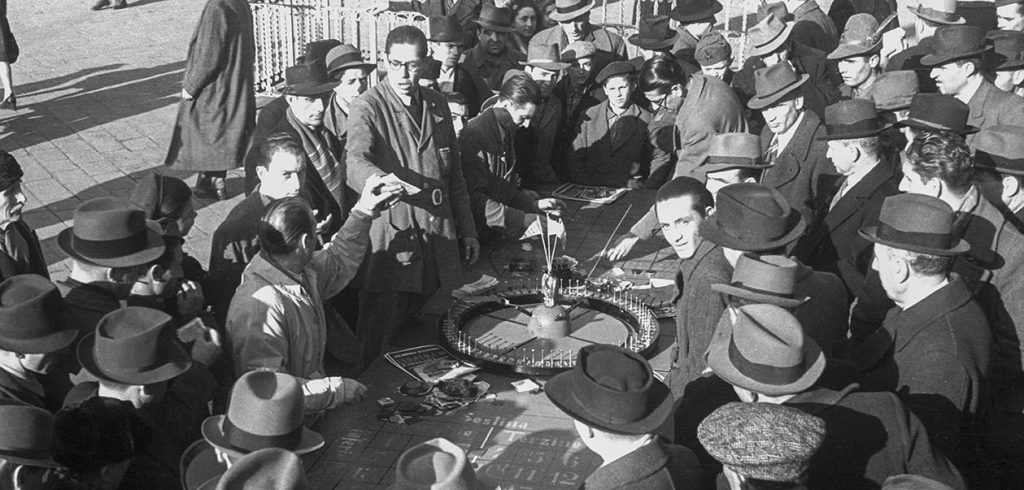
x=576, y=92
x=491, y=57
x=344, y=64
x=858, y=56
x=766, y=357
x=270, y=468
x=956, y=63
x=733, y=158
x=1007, y=72
x=892, y=93
x=436, y=463
x=536, y=143
x=1010, y=15
x=692, y=19
x=20, y=251
x=929, y=113
x=447, y=41
x=463, y=11
x=26, y=446
x=97, y=440
x=617, y=404
x=999, y=166
x=573, y=17
x=654, y=36
x=929, y=15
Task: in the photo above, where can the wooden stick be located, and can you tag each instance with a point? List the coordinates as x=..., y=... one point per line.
x=605, y=249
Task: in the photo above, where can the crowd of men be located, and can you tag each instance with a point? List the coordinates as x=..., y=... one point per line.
x=846, y=204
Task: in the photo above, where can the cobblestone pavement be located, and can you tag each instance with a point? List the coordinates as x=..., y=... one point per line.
x=97, y=97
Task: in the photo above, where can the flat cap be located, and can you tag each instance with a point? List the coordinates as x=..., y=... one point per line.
x=894, y=90
x=712, y=48
x=578, y=49
x=1000, y=148
x=614, y=68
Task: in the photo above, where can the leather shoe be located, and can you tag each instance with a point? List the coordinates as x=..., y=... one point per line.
x=221, y=194
x=120, y=4
x=101, y=4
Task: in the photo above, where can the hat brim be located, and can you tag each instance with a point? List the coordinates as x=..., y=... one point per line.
x=755, y=296
x=153, y=250
x=938, y=20
x=548, y=65
x=713, y=9
x=332, y=70
x=860, y=134
x=40, y=345
x=870, y=233
x=775, y=43
x=559, y=17
x=203, y=469
x=849, y=51
x=719, y=362
x=310, y=441
x=757, y=102
x=179, y=363
x=309, y=90
x=1010, y=65
x=934, y=59
x=712, y=167
x=40, y=463
x=494, y=27
x=653, y=44
x=926, y=126
x=560, y=391
x=711, y=231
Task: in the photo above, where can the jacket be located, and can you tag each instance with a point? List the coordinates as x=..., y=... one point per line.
x=490, y=70
x=652, y=466
x=336, y=121
x=611, y=156
x=233, y=246
x=813, y=28
x=492, y=172
x=825, y=316
x=536, y=143
x=36, y=261
x=991, y=106
x=709, y=107
x=801, y=171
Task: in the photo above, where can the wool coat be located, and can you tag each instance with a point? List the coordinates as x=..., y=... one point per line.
x=610, y=46
x=825, y=316
x=414, y=245
x=611, y=156
x=9, y=267
x=213, y=129
x=233, y=246
x=8, y=45
x=801, y=171
x=991, y=106
x=489, y=71
x=652, y=466
x=491, y=169
x=813, y=28
x=709, y=107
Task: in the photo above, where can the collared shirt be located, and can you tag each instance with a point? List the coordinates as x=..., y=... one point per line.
x=446, y=79
x=970, y=88
x=784, y=138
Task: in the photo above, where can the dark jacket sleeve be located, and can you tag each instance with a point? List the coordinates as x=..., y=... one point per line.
x=483, y=184
x=207, y=52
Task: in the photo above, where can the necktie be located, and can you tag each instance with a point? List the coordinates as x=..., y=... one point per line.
x=773, y=150
x=839, y=195
x=449, y=7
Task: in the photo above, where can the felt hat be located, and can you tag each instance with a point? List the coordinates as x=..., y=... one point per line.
x=893, y=90
x=578, y=50
x=733, y=150
x=437, y=464
x=33, y=316
x=109, y=232
x=768, y=279
x=765, y=350
x=688, y=11
x=26, y=434
x=914, y=482
x=266, y=469
x=10, y=170
x=614, y=68
x=773, y=83
x=317, y=50
x=134, y=346
x=546, y=57
x=654, y=33
x=99, y=431
x=917, y=223
x=752, y=218
x=265, y=410
x=308, y=80
x=768, y=35
x=778, y=9
x=613, y=389
x=712, y=48
x=497, y=19
x=1003, y=3
x=938, y=11
x=852, y=118
x=860, y=38
x=952, y=43
x=937, y=112
x=446, y=29
x=346, y=56
x=765, y=441
x=566, y=10
x=1009, y=49
x=1000, y=148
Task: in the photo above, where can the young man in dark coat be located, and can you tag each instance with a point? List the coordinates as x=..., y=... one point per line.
x=573, y=17
x=447, y=41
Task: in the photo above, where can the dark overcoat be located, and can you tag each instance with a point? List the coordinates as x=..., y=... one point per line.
x=652, y=466
x=611, y=156
x=213, y=129
x=813, y=28
x=991, y=106
x=801, y=170
x=710, y=107
x=490, y=165
x=36, y=261
x=825, y=316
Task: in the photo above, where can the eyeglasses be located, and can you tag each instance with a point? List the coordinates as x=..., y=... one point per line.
x=408, y=65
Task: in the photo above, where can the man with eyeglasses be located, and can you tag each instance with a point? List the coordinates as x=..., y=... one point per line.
x=401, y=128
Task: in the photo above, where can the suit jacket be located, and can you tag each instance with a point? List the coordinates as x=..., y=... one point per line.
x=991, y=106
x=801, y=170
x=611, y=156
x=491, y=170
x=36, y=261
x=652, y=466
x=813, y=28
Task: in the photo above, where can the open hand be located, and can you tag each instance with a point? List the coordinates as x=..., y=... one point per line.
x=551, y=206
x=622, y=247
x=470, y=250
x=377, y=195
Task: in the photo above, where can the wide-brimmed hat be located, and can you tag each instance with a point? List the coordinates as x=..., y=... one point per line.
x=577, y=50
x=773, y=83
x=566, y=10
x=344, y=57
x=768, y=35
x=654, y=33
x=687, y=11
x=712, y=48
x=952, y=43
x=752, y=218
x=860, y=38
x=266, y=469
x=938, y=112
x=110, y=232
x=134, y=346
x=265, y=410
x=613, y=389
x=917, y=223
x=765, y=350
x=768, y=279
x=26, y=434
x=33, y=316
x=1009, y=49
x=734, y=150
x=547, y=57
x=446, y=29
x=894, y=90
x=307, y=80
x=914, y=482
x=938, y=11
x=497, y=19
x=1000, y=148
x=437, y=464
x=766, y=441
x=852, y=118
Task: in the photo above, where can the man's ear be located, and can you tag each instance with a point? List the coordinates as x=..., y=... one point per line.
x=799, y=102
x=1018, y=77
x=1011, y=187
x=875, y=60
x=902, y=270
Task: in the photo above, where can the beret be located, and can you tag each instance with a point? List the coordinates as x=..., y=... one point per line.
x=614, y=68
x=10, y=170
x=712, y=48
x=578, y=49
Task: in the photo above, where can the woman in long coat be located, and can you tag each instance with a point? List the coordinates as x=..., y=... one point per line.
x=218, y=107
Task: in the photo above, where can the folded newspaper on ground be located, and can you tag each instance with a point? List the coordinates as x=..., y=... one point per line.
x=589, y=193
x=429, y=363
x=476, y=287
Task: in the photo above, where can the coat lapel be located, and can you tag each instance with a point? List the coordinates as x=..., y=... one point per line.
x=855, y=198
x=627, y=124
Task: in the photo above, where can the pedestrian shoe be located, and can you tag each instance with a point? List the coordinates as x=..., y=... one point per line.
x=120, y=4
x=100, y=4
x=11, y=103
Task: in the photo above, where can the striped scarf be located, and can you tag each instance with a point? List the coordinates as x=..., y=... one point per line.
x=322, y=153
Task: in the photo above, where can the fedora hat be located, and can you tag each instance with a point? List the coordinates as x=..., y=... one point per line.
x=654, y=33
x=1009, y=49
x=134, y=346
x=33, y=316
x=266, y=469
x=938, y=11
x=317, y=50
x=860, y=38
x=26, y=434
x=712, y=48
x=547, y=57
x=768, y=279
x=578, y=50
x=734, y=150
x=752, y=218
x=937, y=112
x=613, y=389
x=446, y=29
x=1000, y=148
x=346, y=56
x=437, y=464
x=952, y=43
x=917, y=223
x=768, y=35
x=688, y=11
x=852, y=118
x=566, y=10
x=893, y=90
x=308, y=80
x=765, y=350
x=109, y=232
x=265, y=410
x=497, y=19
x=773, y=83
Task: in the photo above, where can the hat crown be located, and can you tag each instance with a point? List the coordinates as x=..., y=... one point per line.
x=938, y=111
x=735, y=145
x=767, y=335
x=107, y=218
x=577, y=50
x=25, y=431
x=1008, y=45
x=860, y=30
x=265, y=410
x=318, y=50
x=753, y=214
x=773, y=79
x=491, y=16
x=131, y=339
x=695, y=10
x=1004, y=141
x=31, y=307
x=446, y=28
x=270, y=469
x=852, y=116
x=712, y=48
x=766, y=31
x=959, y=39
x=314, y=73
x=541, y=53
x=342, y=56
x=894, y=89
x=437, y=463
x=772, y=274
x=655, y=27
x=915, y=215
x=947, y=7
